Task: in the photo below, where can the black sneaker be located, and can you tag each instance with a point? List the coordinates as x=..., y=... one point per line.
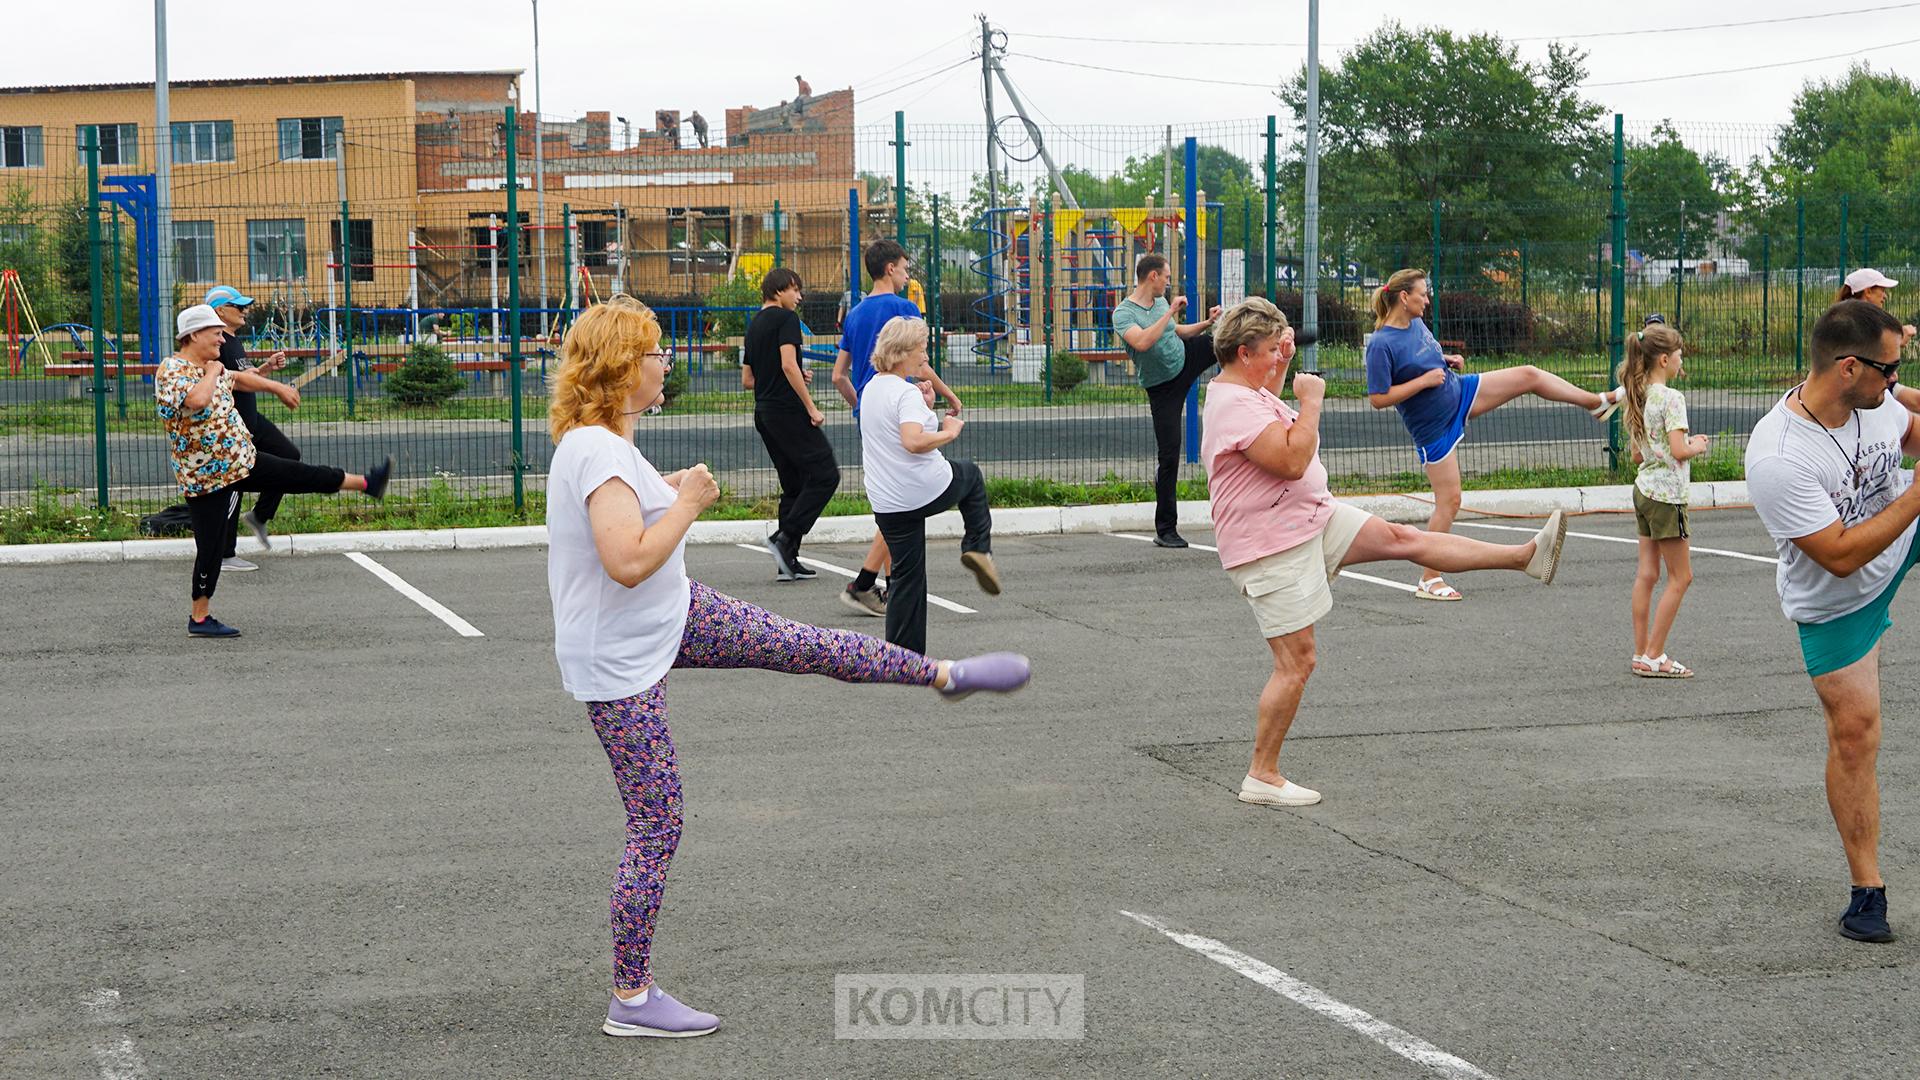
x=377, y=478
x=1866, y=917
x=1169, y=539
x=803, y=572
x=258, y=527
x=212, y=627
x=776, y=546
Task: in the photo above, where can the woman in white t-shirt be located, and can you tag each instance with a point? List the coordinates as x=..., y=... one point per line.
x=624, y=612
x=908, y=479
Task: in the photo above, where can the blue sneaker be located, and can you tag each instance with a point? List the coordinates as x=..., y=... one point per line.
x=1866, y=917
x=659, y=1016
x=212, y=627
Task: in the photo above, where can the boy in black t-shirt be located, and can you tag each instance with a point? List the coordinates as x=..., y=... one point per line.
x=787, y=419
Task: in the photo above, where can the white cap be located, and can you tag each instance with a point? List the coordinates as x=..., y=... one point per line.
x=1866, y=278
x=197, y=317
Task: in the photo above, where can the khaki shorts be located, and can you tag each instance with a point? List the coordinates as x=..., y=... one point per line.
x=1288, y=589
x=1658, y=520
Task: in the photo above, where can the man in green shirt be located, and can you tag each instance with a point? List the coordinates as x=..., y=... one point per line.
x=1170, y=357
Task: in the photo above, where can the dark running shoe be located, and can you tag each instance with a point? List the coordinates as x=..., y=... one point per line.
x=776, y=546
x=1866, y=917
x=212, y=627
x=377, y=479
x=865, y=601
x=259, y=528
x=1169, y=539
x=803, y=572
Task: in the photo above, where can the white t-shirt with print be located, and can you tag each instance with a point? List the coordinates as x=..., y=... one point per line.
x=1662, y=476
x=896, y=479
x=1801, y=482
x=612, y=642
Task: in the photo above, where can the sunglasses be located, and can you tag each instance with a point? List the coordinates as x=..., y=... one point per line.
x=1655, y=319
x=1891, y=372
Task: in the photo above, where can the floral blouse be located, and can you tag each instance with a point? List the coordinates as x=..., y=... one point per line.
x=211, y=448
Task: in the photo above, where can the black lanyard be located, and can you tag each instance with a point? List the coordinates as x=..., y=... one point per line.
x=1857, y=479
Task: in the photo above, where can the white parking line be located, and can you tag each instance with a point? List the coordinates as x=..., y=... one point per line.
x=117, y=1058
x=1622, y=540
x=434, y=607
x=1369, y=578
x=936, y=601
x=1412, y=1047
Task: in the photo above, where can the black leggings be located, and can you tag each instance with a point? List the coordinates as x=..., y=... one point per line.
x=268, y=439
x=906, y=533
x=212, y=511
x=1167, y=402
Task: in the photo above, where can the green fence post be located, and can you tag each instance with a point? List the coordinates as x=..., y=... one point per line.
x=935, y=264
x=1273, y=205
x=1799, y=282
x=119, y=335
x=1599, y=320
x=1619, y=338
x=1523, y=273
x=776, y=232
x=1766, y=292
x=1866, y=244
x=900, y=176
x=99, y=338
x=1679, y=264
x=1046, y=283
x=1843, y=237
x=346, y=266
x=513, y=312
x=566, y=261
x=1433, y=313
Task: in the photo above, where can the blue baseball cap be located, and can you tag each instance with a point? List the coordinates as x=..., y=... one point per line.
x=226, y=294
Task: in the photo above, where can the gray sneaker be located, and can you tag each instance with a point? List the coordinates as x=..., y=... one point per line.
x=865, y=601
x=236, y=565
x=259, y=528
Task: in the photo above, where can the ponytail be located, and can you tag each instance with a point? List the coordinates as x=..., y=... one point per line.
x=1846, y=293
x=1385, y=295
x=1643, y=349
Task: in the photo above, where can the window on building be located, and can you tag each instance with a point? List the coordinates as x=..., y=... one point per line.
x=309, y=138
x=712, y=248
x=480, y=235
x=22, y=148
x=198, y=142
x=119, y=143
x=193, y=252
x=598, y=238
x=361, y=232
x=276, y=249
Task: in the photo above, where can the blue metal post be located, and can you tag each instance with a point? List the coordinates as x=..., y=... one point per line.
x=1189, y=274
x=853, y=247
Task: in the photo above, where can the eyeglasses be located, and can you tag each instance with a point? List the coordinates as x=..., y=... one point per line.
x=665, y=358
x=1891, y=372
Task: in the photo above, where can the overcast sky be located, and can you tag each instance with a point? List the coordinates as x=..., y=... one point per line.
x=631, y=58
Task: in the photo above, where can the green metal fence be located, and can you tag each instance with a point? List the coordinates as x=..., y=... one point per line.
x=408, y=232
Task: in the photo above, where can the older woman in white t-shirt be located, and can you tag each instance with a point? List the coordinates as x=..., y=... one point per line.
x=908, y=480
x=624, y=613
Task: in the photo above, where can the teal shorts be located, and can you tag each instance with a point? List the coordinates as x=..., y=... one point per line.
x=1829, y=646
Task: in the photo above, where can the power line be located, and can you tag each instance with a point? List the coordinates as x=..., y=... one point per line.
x=876, y=76
x=1754, y=67
x=936, y=86
x=917, y=79
x=1144, y=74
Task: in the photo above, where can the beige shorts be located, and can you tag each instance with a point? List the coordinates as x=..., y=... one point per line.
x=1289, y=589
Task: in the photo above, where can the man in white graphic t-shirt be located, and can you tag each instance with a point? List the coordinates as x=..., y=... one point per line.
x=1823, y=470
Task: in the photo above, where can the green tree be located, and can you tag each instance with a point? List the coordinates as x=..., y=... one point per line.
x=1858, y=137
x=1410, y=116
x=25, y=247
x=1672, y=192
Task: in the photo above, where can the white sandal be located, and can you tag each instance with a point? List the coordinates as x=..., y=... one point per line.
x=1662, y=667
x=1609, y=404
x=1434, y=588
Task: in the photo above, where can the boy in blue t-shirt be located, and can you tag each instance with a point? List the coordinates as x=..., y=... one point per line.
x=886, y=262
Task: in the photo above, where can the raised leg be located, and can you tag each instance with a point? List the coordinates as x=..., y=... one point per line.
x=1499, y=387
x=723, y=632
x=1382, y=541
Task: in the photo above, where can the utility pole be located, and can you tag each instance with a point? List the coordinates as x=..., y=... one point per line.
x=162, y=169
x=1310, y=243
x=540, y=170
x=986, y=91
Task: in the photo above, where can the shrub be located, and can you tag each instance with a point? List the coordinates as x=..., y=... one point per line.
x=1486, y=324
x=740, y=290
x=1340, y=322
x=1068, y=372
x=678, y=382
x=425, y=378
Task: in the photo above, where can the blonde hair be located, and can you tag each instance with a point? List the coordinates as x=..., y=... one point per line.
x=898, y=340
x=1643, y=350
x=1245, y=323
x=1401, y=281
x=599, y=365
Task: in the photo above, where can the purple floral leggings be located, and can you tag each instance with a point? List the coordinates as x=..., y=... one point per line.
x=722, y=632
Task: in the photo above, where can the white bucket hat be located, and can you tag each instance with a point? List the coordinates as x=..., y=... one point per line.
x=197, y=317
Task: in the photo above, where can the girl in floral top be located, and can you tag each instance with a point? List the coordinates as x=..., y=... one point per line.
x=214, y=458
x=1655, y=419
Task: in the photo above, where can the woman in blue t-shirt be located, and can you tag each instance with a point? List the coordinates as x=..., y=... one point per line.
x=1406, y=370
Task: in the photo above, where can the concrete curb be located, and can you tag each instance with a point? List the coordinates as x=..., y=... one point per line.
x=1023, y=521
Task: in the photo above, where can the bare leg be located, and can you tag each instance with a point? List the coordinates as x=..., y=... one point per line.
x=1381, y=541
x=1444, y=475
x=356, y=482
x=1851, y=699
x=1293, y=659
x=1679, y=561
x=1499, y=387
x=1646, y=575
x=201, y=607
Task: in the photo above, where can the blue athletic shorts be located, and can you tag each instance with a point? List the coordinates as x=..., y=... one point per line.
x=1457, y=430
